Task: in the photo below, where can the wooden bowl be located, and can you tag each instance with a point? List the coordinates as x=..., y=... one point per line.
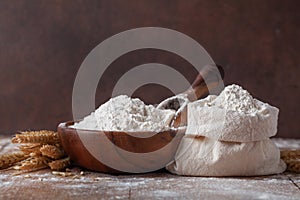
x=119, y=152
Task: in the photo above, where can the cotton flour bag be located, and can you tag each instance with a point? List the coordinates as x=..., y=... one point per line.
x=228, y=135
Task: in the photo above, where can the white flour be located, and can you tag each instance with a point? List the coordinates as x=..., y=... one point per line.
x=233, y=116
x=235, y=98
x=123, y=113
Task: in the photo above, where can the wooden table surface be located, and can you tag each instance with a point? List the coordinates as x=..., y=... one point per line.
x=160, y=185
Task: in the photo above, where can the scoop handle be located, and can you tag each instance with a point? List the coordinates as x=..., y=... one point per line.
x=208, y=79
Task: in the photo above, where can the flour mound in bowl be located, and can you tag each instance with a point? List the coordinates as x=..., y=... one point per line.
x=123, y=113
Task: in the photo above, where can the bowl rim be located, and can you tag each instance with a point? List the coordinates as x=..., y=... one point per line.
x=66, y=126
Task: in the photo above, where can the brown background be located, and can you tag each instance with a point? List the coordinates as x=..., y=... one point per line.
x=42, y=44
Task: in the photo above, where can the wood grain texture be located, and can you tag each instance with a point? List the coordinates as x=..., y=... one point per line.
x=44, y=185
x=161, y=185
x=42, y=44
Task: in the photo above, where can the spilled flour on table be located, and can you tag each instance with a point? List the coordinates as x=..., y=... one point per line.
x=153, y=185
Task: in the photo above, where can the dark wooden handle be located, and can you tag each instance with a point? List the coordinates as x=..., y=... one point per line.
x=208, y=72
x=208, y=78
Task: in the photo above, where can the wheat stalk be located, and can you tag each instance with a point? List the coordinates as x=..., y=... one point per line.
x=43, y=137
x=64, y=174
x=39, y=150
x=52, y=151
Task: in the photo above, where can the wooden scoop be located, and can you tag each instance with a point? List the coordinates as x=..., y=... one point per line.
x=209, y=79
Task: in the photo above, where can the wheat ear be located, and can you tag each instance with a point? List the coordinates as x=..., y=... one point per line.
x=43, y=137
x=33, y=164
x=290, y=154
x=31, y=149
x=7, y=160
x=61, y=164
x=293, y=165
x=52, y=151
